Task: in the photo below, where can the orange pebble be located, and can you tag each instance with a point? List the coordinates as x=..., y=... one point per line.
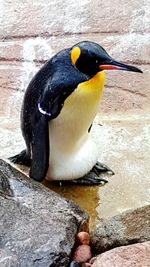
x=86, y=264
x=82, y=254
x=83, y=238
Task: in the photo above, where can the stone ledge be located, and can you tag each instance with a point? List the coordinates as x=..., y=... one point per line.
x=126, y=228
x=37, y=226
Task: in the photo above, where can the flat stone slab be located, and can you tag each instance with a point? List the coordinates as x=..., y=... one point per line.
x=37, y=226
x=126, y=228
x=124, y=145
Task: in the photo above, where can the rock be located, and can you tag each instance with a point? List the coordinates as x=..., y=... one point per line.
x=83, y=238
x=82, y=254
x=86, y=264
x=37, y=226
x=126, y=228
x=82, y=251
x=5, y=188
x=137, y=255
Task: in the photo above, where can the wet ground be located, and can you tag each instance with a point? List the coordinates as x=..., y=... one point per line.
x=122, y=127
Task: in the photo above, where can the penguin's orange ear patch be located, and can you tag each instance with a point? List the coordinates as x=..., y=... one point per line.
x=75, y=53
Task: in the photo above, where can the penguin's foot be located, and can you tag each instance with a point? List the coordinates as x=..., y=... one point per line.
x=101, y=168
x=90, y=179
x=22, y=158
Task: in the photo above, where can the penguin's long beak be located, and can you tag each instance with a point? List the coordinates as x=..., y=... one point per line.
x=115, y=65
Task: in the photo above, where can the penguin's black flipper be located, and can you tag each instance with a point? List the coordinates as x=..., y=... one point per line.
x=56, y=91
x=40, y=148
x=22, y=158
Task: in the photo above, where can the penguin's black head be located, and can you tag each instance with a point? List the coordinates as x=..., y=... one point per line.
x=90, y=58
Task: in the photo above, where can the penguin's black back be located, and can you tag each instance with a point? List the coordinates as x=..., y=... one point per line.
x=56, y=74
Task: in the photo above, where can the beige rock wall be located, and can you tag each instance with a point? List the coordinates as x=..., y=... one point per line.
x=32, y=31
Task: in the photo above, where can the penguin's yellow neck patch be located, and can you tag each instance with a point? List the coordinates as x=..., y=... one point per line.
x=87, y=95
x=94, y=86
x=75, y=53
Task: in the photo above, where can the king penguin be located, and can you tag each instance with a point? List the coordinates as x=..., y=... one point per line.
x=58, y=110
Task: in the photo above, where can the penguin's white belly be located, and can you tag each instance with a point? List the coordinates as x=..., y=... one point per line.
x=72, y=151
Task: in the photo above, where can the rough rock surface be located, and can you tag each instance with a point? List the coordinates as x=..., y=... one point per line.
x=137, y=255
x=37, y=226
x=124, y=229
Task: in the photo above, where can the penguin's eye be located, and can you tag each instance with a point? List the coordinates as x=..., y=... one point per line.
x=96, y=61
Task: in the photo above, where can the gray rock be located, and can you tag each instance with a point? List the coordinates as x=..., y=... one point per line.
x=37, y=226
x=126, y=228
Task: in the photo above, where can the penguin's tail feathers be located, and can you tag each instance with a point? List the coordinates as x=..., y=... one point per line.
x=22, y=158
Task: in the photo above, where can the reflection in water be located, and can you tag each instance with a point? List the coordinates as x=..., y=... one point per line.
x=84, y=196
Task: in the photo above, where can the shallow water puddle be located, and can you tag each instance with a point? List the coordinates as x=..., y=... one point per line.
x=86, y=197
